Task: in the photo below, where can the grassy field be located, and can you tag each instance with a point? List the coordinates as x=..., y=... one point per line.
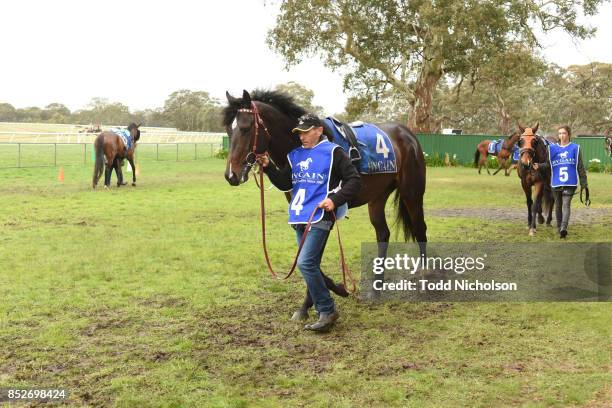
x=157, y=295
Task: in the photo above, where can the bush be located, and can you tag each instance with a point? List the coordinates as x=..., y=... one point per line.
x=222, y=154
x=433, y=161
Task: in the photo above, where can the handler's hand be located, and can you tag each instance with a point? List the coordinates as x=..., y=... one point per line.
x=327, y=205
x=263, y=159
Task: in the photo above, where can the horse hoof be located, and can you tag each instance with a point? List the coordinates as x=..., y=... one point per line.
x=106, y=187
x=540, y=220
x=133, y=184
x=532, y=232
x=300, y=315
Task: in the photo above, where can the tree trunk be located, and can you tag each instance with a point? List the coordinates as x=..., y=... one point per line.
x=505, y=120
x=421, y=118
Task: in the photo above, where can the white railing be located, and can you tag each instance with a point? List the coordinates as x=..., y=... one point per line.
x=158, y=136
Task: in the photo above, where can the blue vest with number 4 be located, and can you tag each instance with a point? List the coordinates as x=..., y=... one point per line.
x=310, y=171
x=564, y=164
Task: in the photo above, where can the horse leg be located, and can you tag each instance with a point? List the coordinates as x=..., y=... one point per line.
x=108, y=171
x=131, y=161
x=119, y=172
x=539, y=207
x=482, y=161
x=302, y=313
x=502, y=164
x=536, y=207
x=529, y=201
x=551, y=204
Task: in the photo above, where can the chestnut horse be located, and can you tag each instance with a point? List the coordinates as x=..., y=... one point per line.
x=505, y=153
x=279, y=115
x=533, y=150
x=111, y=149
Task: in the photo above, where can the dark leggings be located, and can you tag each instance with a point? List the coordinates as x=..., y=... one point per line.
x=563, y=199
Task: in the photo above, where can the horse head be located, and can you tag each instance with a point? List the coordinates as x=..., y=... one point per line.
x=242, y=138
x=528, y=144
x=250, y=122
x=134, y=131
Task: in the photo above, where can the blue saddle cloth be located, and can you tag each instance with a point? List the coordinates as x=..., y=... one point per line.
x=374, y=146
x=125, y=136
x=495, y=146
x=515, y=154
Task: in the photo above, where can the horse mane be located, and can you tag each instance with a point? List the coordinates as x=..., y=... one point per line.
x=279, y=100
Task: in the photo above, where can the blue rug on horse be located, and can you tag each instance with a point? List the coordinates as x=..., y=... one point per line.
x=495, y=146
x=374, y=146
x=125, y=136
x=515, y=153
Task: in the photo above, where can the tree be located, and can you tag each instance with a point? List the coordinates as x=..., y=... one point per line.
x=302, y=96
x=193, y=110
x=409, y=46
x=8, y=113
x=56, y=113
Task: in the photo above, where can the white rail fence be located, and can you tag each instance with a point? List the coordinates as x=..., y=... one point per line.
x=159, y=135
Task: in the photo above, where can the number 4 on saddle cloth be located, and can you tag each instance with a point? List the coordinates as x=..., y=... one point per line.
x=125, y=136
x=369, y=148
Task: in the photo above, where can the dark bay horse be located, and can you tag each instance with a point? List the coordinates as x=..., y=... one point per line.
x=533, y=150
x=504, y=155
x=111, y=150
x=279, y=114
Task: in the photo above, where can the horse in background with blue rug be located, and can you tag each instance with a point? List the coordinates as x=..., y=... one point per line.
x=112, y=147
x=503, y=149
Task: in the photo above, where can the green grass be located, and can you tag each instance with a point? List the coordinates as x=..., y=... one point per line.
x=158, y=295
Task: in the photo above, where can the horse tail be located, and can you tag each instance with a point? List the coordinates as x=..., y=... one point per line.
x=408, y=198
x=99, y=166
x=476, y=157
x=403, y=216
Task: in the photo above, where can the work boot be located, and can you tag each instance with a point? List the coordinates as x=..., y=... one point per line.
x=325, y=322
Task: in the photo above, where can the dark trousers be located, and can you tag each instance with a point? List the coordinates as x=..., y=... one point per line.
x=563, y=199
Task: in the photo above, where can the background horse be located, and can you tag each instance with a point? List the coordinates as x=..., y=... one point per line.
x=111, y=149
x=533, y=150
x=504, y=155
x=608, y=142
x=279, y=115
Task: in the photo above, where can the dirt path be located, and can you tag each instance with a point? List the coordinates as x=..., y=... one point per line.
x=580, y=214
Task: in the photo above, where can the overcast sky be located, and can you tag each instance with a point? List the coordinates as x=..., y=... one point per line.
x=138, y=52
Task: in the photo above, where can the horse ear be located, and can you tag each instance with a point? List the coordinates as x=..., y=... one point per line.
x=535, y=129
x=246, y=97
x=521, y=128
x=138, y=125
x=230, y=98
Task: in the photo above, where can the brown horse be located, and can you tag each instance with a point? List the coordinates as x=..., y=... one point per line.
x=533, y=150
x=279, y=115
x=111, y=149
x=482, y=151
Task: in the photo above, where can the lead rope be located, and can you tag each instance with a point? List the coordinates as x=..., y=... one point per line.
x=345, y=270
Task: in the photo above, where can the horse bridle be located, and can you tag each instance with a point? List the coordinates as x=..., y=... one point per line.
x=251, y=157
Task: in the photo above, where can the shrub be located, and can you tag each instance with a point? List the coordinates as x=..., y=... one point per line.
x=595, y=166
x=222, y=154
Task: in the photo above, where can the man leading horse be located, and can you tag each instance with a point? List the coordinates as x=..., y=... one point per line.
x=323, y=180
